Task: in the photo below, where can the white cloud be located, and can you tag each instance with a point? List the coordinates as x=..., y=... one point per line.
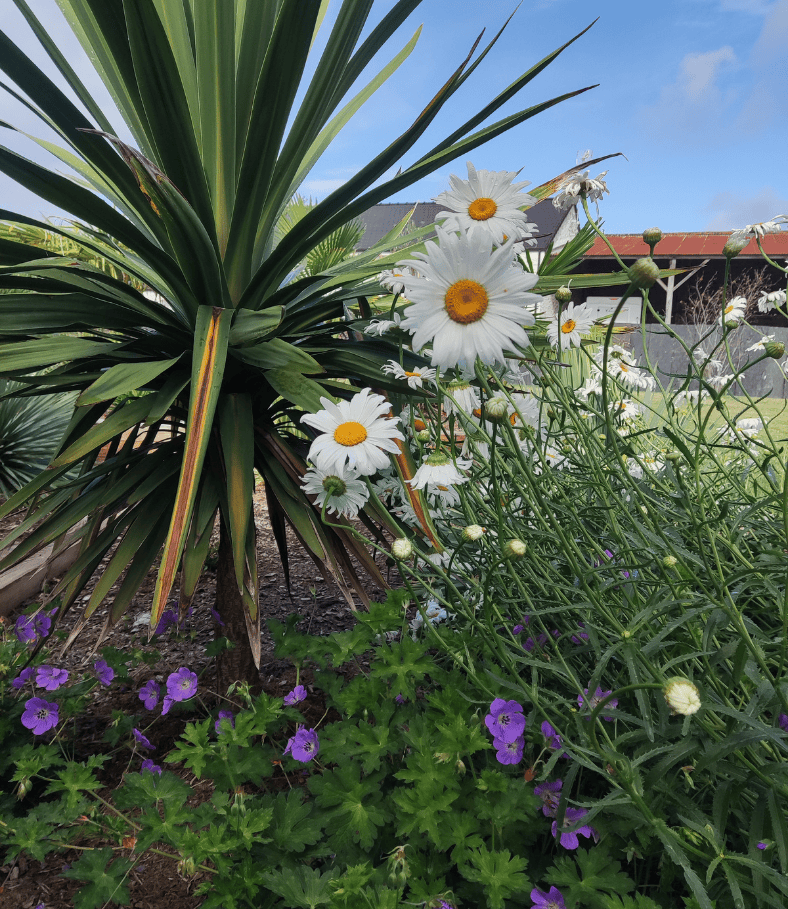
x=694, y=104
x=731, y=211
x=320, y=188
x=757, y=7
x=766, y=102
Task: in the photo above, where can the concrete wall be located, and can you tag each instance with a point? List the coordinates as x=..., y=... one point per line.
x=667, y=356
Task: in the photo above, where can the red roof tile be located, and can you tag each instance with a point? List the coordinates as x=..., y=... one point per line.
x=676, y=246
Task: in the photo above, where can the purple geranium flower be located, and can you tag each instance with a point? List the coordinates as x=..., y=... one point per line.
x=505, y=720
x=782, y=719
x=224, y=715
x=509, y=752
x=553, y=899
x=104, y=673
x=168, y=618
x=40, y=715
x=216, y=617
x=24, y=630
x=518, y=629
x=24, y=676
x=150, y=693
x=761, y=845
x=553, y=739
x=295, y=696
x=304, y=745
x=42, y=623
x=141, y=738
x=568, y=839
x=181, y=685
x=581, y=636
x=50, y=678
x=550, y=794
x=399, y=699
x=591, y=702
x=150, y=767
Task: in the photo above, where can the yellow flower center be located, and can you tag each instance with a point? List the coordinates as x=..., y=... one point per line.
x=729, y=308
x=350, y=433
x=482, y=209
x=466, y=302
x=411, y=373
x=569, y=326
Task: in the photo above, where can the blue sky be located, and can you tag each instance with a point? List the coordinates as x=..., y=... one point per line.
x=693, y=92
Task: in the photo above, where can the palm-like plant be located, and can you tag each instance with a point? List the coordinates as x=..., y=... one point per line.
x=229, y=351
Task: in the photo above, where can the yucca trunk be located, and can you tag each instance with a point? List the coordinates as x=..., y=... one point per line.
x=237, y=664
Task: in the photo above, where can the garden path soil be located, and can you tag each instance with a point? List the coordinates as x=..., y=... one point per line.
x=155, y=882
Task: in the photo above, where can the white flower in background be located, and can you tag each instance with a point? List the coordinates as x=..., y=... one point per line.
x=758, y=230
x=415, y=378
x=391, y=279
x=579, y=185
x=628, y=373
x=651, y=460
x=406, y=514
x=750, y=426
x=354, y=433
x=689, y=398
x=435, y=613
x=591, y=386
x=703, y=360
x=682, y=696
x=770, y=300
x=487, y=204
x=573, y=322
x=719, y=382
x=529, y=409
x=627, y=409
x=734, y=311
x=378, y=327
x=342, y=493
x=461, y=397
x=761, y=344
x=439, y=470
x=386, y=487
x=470, y=301
x=442, y=496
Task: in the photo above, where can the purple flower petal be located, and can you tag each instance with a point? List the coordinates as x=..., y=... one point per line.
x=149, y=767
x=224, y=715
x=40, y=716
x=150, y=694
x=50, y=678
x=304, y=745
x=505, y=720
x=550, y=794
x=591, y=702
x=569, y=839
x=295, y=696
x=141, y=738
x=509, y=752
x=181, y=685
x=24, y=676
x=104, y=673
x=553, y=899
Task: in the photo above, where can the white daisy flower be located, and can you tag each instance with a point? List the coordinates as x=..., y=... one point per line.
x=461, y=397
x=487, y=204
x=758, y=230
x=626, y=409
x=355, y=433
x=406, y=514
x=760, y=344
x=629, y=374
x=342, y=493
x=579, y=185
x=770, y=300
x=442, y=496
x=719, y=382
x=749, y=426
x=574, y=322
x=592, y=386
x=415, y=379
x=689, y=398
x=734, y=311
x=378, y=327
x=529, y=409
x=470, y=302
x=439, y=470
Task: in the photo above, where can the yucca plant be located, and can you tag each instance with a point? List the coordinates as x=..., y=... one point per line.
x=229, y=351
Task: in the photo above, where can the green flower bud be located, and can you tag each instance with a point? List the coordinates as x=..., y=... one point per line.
x=497, y=409
x=774, y=349
x=472, y=533
x=644, y=273
x=563, y=294
x=423, y=435
x=734, y=246
x=514, y=549
x=652, y=236
x=402, y=549
x=670, y=561
x=334, y=486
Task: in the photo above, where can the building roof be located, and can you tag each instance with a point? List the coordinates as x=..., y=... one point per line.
x=382, y=218
x=689, y=245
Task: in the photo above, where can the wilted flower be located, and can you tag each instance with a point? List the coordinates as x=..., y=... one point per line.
x=149, y=767
x=461, y=396
x=354, y=433
x=24, y=676
x=768, y=301
x=224, y=715
x=440, y=470
x=141, y=738
x=774, y=226
x=104, y=672
x=550, y=794
x=379, y=327
x=682, y=696
x=341, y=493
x=577, y=186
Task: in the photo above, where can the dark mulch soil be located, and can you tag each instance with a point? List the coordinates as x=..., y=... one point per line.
x=155, y=882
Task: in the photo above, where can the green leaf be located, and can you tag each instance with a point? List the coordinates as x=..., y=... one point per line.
x=24, y=356
x=293, y=826
x=298, y=389
x=249, y=326
x=123, y=378
x=276, y=354
x=105, y=879
x=303, y=887
x=500, y=873
x=131, y=414
x=75, y=779
x=358, y=813
x=590, y=873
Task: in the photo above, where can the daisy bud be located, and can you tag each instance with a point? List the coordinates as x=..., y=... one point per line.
x=460, y=767
x=514, y=549
x=472, y=533
x=670, y=561
x=682, y=696
x=402, y=549
x=497, y=409
x=734, y=246
x=563, y=295
x=644, y=273
x=424, y=435
x=652, y=236
x=774, y=349
x=334, y=486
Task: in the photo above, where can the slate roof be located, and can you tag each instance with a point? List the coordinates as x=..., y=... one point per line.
x=687, y=246
x=382, y=218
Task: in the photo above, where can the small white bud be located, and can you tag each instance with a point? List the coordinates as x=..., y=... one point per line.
x=514, y=549
x=682, y=696
x=472, y=533
x=402, y=549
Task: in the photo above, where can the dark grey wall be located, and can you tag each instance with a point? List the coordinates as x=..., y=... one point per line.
x=667, y=356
